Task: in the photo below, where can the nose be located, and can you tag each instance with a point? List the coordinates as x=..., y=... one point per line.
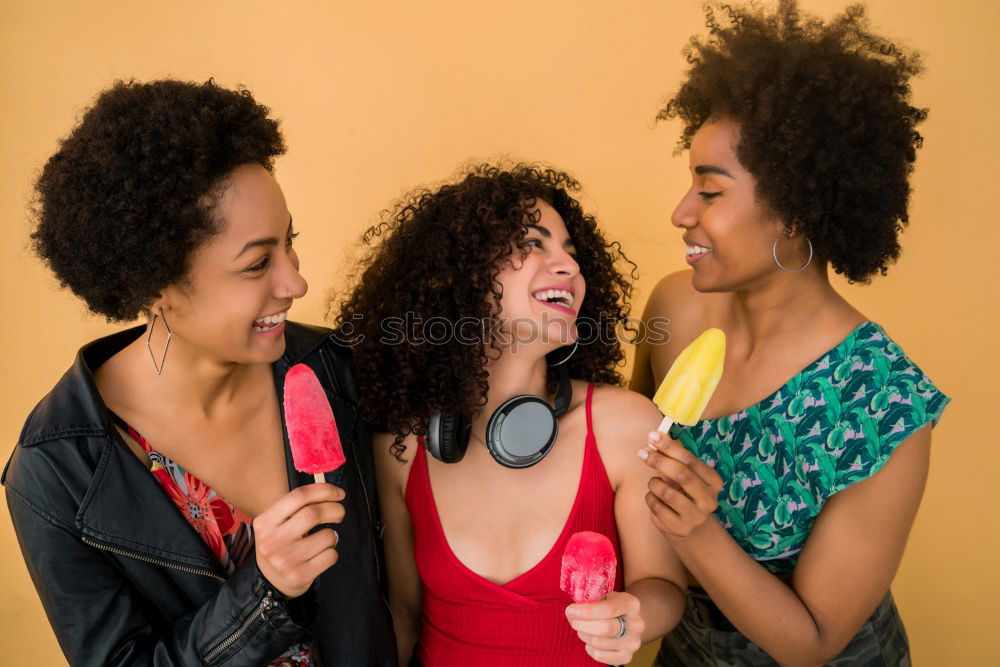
x=685, y=214
x=289, y=283
x=563, y=264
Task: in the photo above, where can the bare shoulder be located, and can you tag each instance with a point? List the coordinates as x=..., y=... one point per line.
x=622, y=419
x=390, y=468
x=611, y=401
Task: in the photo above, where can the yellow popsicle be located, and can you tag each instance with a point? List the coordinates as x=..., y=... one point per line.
x=692, y=379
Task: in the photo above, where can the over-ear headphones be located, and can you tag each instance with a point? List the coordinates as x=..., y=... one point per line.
x=519, y=433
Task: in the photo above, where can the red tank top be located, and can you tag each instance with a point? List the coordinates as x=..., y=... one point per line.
x=469, y=620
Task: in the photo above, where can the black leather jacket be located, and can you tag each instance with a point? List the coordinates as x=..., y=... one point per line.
x=123, y=577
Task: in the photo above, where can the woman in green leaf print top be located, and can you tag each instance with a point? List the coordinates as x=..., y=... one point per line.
x=791, y=501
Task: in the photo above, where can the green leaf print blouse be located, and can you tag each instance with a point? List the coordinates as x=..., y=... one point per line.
x=833, y=424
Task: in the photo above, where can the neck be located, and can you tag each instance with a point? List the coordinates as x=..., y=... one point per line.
x=511, y=375
x=783, y=303
x=191, y=382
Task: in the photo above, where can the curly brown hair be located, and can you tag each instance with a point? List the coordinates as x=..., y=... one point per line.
x=826, y=126
x=437, y=254
x=122, y=205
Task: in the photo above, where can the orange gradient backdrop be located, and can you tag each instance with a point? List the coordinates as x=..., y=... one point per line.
x=375, y=98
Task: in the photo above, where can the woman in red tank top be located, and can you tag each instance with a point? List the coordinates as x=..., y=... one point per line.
x=463, y=303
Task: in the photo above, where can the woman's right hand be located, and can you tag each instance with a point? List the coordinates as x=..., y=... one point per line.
x=288, y=555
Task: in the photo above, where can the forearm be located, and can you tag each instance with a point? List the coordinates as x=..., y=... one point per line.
x=759, y=604
x=661, y=605
x=406, y=623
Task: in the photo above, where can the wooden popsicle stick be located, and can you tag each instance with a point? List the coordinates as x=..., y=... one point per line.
x=319, y=477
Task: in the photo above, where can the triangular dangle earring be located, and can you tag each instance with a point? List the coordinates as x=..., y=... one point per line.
x=149, y=336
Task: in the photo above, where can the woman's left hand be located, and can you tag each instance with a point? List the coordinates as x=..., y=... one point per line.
x=598, y=625
x=686, y=492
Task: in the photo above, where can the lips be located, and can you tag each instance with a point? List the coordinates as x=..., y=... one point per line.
x=695, y=251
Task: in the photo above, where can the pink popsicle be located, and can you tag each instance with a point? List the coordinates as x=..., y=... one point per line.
x=312, y=431
x=589, y=565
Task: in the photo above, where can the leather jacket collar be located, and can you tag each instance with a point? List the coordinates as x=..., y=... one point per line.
x=75, y=408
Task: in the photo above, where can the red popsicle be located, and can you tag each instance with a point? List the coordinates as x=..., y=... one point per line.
x=312, y=431
x=589, y=565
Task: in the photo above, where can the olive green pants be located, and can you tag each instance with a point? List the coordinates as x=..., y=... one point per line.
x=704, y=638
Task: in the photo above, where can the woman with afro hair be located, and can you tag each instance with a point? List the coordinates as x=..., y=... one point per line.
x=476, y=299
x=791, y=501
x=151, y=490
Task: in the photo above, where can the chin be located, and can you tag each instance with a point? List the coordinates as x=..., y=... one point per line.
x=264, y=352
x=561, y=333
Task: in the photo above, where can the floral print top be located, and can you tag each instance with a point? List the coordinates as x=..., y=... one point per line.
x=226, y=530
x=833, y=424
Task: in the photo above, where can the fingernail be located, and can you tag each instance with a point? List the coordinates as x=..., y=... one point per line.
x=643, y=454
x=655, y=436
x=571, y=612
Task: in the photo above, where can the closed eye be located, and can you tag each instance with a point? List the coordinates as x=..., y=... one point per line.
x=263, y=263
x=709, y=196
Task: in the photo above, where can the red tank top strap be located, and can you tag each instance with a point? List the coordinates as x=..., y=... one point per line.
x=590, y=419
x=418, y=481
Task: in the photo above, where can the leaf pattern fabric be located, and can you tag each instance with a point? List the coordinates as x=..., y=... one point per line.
x=834, y=424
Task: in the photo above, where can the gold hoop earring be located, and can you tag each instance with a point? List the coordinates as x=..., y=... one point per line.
x=149, y=336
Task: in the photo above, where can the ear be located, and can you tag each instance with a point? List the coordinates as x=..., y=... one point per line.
x=162, y=304
x=793, y=230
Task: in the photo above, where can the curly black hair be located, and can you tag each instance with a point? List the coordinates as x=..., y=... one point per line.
x=826, y=126
x=437, y=254
x=127, y=198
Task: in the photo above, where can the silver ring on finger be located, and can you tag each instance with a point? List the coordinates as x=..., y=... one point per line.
x=623, y=630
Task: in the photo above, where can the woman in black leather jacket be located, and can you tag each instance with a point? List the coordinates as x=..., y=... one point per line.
x=195, y=542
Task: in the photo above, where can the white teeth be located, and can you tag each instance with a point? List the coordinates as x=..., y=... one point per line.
x=564, y=297
x=697, y=250
x=269, y=322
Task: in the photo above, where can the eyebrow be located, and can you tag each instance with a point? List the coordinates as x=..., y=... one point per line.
x=269, y=241
x=546, y=234
x=703, y=169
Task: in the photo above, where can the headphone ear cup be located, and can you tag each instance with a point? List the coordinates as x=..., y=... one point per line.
x=448, y=436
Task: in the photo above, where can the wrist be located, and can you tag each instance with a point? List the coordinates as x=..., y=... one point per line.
x=705, y=532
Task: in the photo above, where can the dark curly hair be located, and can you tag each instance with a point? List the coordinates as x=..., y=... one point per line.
x=437, y=254
x=127, y=198
x=826, y=126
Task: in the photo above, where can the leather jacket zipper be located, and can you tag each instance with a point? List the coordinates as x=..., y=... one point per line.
x=153, y=561
x=257, y=613
x=357, y=466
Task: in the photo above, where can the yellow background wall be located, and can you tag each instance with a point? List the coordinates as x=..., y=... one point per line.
x=377, y=97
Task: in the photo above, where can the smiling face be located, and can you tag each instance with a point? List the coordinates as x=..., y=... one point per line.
x=728, y=232
x=241, y=283
x=543, y=293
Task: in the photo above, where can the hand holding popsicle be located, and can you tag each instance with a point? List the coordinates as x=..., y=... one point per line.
x=686, y=492
x=589, y=566
x=290, y=552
